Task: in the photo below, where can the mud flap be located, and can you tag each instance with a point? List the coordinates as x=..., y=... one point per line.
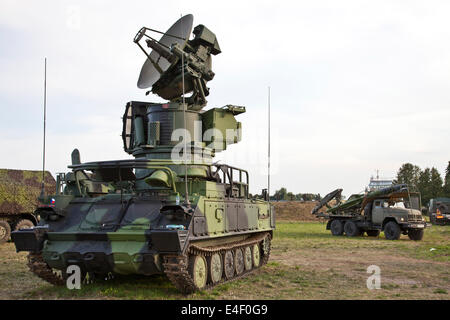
x=29, y=239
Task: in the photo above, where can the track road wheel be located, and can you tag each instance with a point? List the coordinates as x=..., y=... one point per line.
x=256, y=254
x=248, y=260
x=215, y=268
x=198, y=270
x=373, y=233
x=392, y=231
x=351, y=229
x=5, y=231
x=239, y=261
x=415, y=234
x=337, y=228
x=228, y=264
x=24, y=224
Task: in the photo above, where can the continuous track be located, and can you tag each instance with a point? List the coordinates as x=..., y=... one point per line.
x=40, y=268
x=176, y=266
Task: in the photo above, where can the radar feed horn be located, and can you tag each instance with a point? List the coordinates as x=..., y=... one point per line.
x=163, y=69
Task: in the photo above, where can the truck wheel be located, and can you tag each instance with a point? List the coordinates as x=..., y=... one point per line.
x=415, y=234
x=5, y=231
x=23, y=224
x=392, y=231
x=337, y=228
x=351, y=229
x=373, y=233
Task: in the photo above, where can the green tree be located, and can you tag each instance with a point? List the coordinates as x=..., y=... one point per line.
x=308, y=196
x=408, y=174
x=446, y=187
x=290, y=196
x=280, y=194
x=435, y=183
x=424, y=185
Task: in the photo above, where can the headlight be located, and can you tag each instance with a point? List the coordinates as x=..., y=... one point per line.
x=402, y=219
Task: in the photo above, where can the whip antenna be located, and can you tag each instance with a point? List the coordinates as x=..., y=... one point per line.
x=45, y=121
x=268, y=145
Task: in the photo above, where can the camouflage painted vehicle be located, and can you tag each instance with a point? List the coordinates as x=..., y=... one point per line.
x=159, y=213
x=439, y=211
x=19, y=192
x=394, y=210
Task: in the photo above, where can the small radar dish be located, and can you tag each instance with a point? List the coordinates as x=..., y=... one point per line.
x=157, y=61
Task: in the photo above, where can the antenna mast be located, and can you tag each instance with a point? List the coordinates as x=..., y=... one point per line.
x=45, y=122
x=186, y=197
x=268, y=146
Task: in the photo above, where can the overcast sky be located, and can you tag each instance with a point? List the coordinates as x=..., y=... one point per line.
x=356, y=86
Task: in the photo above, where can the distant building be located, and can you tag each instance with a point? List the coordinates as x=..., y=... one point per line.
x=378, y=183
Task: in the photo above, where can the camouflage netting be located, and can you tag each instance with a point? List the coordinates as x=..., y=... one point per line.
x=19, y=190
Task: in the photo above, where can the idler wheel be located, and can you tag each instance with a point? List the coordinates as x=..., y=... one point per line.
x=239, y=261
x=215, y=268
x=198, y=270
x=266, y=246
x=228, y=262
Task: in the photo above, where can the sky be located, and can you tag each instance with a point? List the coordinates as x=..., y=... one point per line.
x=355, y=86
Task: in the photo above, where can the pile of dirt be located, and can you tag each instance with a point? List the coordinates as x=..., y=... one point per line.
x=295, y=210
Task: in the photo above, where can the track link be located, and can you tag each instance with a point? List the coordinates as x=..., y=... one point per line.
x=176, y=266
x=39, y=267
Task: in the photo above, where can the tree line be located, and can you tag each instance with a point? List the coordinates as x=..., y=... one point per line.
x=427, y=181
x=284, y=195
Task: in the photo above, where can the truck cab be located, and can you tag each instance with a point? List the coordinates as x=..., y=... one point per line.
x=384, y=210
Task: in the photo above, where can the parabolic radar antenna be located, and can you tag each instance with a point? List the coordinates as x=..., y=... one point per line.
x=177, y=65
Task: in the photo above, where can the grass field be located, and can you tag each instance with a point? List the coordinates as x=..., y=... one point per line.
x=306, y=262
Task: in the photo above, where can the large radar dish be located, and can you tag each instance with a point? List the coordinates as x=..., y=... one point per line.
x=177, y=34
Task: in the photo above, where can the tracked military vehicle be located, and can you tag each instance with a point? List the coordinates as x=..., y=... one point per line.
x=394, y=210
x=170, y=210
x=19, y=192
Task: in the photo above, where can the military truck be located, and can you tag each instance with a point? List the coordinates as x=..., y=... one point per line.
x=394, y=210
x=439, y=211
x=19, y=192
x=170, y=210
